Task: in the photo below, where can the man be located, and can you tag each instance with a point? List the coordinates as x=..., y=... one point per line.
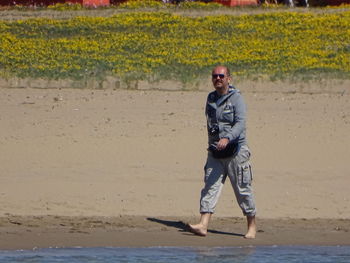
x=228, y=153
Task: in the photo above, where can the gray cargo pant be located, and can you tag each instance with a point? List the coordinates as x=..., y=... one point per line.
x=238, y=169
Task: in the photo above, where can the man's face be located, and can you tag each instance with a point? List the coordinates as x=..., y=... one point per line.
x=220, y=79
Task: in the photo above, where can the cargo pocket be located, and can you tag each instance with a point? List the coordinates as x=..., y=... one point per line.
x=245, y=175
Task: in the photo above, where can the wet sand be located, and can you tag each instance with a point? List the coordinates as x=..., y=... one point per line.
x=138, y=231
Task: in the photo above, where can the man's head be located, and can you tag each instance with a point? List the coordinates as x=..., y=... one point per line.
x=221, y=77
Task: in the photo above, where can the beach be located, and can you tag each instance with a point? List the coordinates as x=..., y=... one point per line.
x=138, y=231
x=121, y=167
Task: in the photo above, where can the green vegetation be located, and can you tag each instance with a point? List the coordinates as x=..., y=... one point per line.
x=156, y=44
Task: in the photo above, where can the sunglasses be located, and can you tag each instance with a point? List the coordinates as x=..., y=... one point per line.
x=215, y=76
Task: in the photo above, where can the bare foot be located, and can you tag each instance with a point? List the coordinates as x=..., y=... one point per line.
x=198, y=230
x=251, y=227
x=251, y=233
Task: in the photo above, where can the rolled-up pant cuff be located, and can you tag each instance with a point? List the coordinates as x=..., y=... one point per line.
x=251, y=214
x=206, y=211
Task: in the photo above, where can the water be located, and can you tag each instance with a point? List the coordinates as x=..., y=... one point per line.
x=271, y=254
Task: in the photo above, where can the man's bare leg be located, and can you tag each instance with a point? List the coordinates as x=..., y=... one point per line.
x=251, y=227
x=201, y=228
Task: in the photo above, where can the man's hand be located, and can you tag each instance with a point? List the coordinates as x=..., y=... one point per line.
x=222, y=144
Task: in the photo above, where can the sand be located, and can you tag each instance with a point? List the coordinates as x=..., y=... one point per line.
x=87, y=167
x=30, y=232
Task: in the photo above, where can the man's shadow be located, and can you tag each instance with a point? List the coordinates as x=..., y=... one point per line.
x=183, y=227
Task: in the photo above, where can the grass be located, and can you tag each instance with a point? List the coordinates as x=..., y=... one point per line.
x=160, y=42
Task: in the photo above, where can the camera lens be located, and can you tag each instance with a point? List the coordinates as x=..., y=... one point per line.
x=214, y=130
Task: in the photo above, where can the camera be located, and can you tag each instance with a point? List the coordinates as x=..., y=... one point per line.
x=213, y=130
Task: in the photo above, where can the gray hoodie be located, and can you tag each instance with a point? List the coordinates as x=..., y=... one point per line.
x=226, y=117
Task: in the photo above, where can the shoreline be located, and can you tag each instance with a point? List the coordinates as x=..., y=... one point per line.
x=35, y=232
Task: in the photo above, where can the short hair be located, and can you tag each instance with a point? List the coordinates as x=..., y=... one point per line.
x=227, y=69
